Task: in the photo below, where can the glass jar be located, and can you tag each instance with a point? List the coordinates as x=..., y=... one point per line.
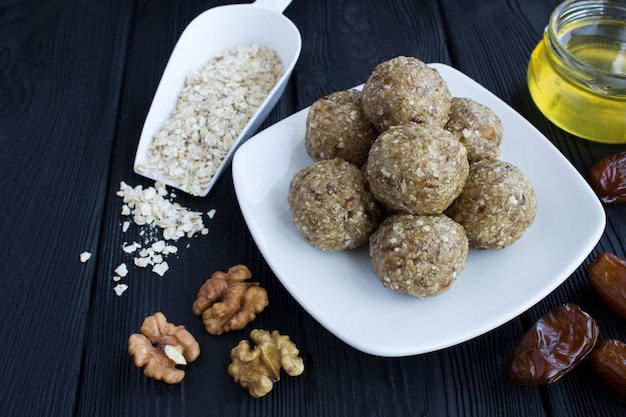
x=577, y=73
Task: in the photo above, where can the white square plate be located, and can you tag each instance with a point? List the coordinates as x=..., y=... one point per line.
x=340, y=289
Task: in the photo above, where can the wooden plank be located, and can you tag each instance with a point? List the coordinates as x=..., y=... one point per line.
x=344, y=40
x=60, y=80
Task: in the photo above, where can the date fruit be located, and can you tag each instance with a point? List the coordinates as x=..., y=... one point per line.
x=608, y=178
x=608, y=362
x=607, y=276
x=553, y=346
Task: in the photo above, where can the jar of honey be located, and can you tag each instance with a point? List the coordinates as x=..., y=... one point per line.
x=577, y=73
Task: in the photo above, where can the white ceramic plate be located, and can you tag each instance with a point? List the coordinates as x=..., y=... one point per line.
x=208, y=35
x=340, y=289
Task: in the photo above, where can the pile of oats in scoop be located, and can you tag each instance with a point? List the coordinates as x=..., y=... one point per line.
x=213, y=108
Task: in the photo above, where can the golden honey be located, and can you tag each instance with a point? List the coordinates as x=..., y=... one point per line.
x=577, y=73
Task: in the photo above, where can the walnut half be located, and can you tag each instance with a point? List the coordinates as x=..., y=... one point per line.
x=227, y=303
x=161, y=346
x=258, y=369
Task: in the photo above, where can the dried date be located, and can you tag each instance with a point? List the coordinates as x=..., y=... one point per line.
x=608, y=362
x=608, y=178
x=553, y=346
x=607, y=276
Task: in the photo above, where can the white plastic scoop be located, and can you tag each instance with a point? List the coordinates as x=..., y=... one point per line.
x=209, y=34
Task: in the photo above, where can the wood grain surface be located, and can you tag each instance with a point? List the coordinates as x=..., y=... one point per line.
x=76, y=81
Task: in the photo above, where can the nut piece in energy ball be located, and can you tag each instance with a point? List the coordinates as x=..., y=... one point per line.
x=607, y=276
x=227, y=303
x=162, y=346
x=337, y=128
x=331, y=206
x=477, y=127
x=553, y=346
x=418, y=255
x=608, y=363
x=405, y=89
x=258, y=369
x=416, y=169
x=497, y=204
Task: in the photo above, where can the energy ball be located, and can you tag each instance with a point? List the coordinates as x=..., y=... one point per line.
x=477, y=127
x=337, y=127
x=496, y=206
x=417, y=169
x=405, y=89
x=331, y=207
x=418, y=255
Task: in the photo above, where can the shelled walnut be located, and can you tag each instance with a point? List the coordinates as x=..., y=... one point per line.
x=227, y=303
x=161, y=346
x=258, y=369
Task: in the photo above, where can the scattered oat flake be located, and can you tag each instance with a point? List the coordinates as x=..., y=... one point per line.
x=130, y=248
x=141, y=262
x=121, y=270
x=156, y=258
x=158, y=246
x=125, y=226
x=149, y=207
x=160, y=268
x=120, y=288
x=211, y=213
x=170, y=249
x=84, y=257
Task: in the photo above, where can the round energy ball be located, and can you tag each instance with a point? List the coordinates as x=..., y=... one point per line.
x=477, y=127
x=405, y=89
x=418, y=255
x=496, y=206
x=337, y=127
x=331, y=207
x=417, y=169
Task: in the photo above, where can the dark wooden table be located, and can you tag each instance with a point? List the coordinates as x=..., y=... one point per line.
x=76, y=81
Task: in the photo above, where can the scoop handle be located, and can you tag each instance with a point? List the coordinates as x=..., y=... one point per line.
x=277, y=6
